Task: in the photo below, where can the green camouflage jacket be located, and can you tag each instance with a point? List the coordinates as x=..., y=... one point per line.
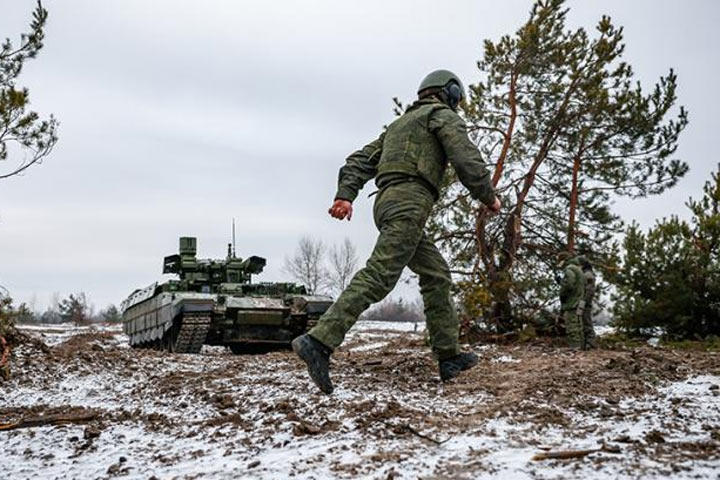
x=419, y=144
x=572, y=287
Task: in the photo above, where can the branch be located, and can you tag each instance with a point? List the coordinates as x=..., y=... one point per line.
x=454, y=234
x=489, y=129
x=34, y=38
x=36, y=159
x=630, y=185
x=461, y=272
x=567, y=454
x=60, y=419
x=410, y=429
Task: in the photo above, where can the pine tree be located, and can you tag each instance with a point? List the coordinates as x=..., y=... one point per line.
x=22, y=133
x=111, y=314
x=7, y=313
x=669, y=278
x=75, y=309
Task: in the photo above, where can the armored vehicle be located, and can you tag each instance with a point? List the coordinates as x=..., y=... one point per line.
x=215, y=302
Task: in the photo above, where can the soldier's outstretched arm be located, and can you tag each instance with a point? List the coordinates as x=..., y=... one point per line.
x=464, y=156
x=359, y=168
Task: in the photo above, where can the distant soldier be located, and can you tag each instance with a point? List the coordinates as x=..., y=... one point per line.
x=572, y=299
x=588, y=329
x=408, y=162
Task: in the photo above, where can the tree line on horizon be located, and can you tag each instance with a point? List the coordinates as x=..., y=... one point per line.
x=74, y=308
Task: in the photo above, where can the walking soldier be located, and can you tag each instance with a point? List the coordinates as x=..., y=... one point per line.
x=408, y=162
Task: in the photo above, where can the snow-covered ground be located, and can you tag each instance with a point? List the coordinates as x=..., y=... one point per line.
x=54, y=334
x=216, y=415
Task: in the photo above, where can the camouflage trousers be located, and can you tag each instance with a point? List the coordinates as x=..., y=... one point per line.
x=400, y=213
x=588, y=329
x=574, y=328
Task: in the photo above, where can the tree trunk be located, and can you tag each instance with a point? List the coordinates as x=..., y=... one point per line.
x=573, y=204
x=502, y=279
x=502, y=308
x=508, y=134
x=486, y=253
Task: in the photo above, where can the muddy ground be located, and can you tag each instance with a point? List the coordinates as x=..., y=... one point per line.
x=651, y=412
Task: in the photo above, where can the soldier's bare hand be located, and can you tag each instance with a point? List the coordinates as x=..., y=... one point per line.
x=495, y=207
x=341, y=209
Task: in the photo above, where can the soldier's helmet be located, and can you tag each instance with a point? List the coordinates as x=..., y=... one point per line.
x=584, y=262
x=563, y=257
x=444, y=82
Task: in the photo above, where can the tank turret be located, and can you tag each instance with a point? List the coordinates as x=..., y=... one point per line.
x=210, y=275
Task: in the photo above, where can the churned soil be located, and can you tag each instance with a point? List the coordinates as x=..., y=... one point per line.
x=649, y=411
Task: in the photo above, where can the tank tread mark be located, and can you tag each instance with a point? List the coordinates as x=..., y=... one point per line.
x=193, y=330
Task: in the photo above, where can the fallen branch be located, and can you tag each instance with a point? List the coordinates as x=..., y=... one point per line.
x=569, y=454
x=410, y=429
x=59, y=419
x=472, y=334
x=433, y=440
x=564, y=454
x=371, y=363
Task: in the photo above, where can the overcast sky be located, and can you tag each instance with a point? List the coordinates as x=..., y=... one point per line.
x=177, y=116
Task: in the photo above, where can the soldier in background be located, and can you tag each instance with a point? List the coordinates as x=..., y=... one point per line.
x=572, y=299
x=588, y=329
x=408, y=162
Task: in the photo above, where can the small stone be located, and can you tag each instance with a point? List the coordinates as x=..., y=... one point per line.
x=612, y=449
x=253, y=464
x=91, y=433
x=654, y=437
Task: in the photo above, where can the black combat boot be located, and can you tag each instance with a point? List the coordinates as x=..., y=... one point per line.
x=317, y=357
x=451, y=367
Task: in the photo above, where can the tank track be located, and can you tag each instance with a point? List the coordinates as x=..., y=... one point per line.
x=193, y=330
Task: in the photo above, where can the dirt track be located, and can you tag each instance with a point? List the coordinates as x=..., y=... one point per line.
x=222, y=416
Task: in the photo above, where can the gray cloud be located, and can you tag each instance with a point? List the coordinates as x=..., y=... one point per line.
x=178, y=116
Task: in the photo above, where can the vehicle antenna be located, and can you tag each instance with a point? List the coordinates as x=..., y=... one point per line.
x=233, y=237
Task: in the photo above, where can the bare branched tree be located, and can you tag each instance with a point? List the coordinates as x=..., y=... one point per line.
x=307, y=264
x=343, y=263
